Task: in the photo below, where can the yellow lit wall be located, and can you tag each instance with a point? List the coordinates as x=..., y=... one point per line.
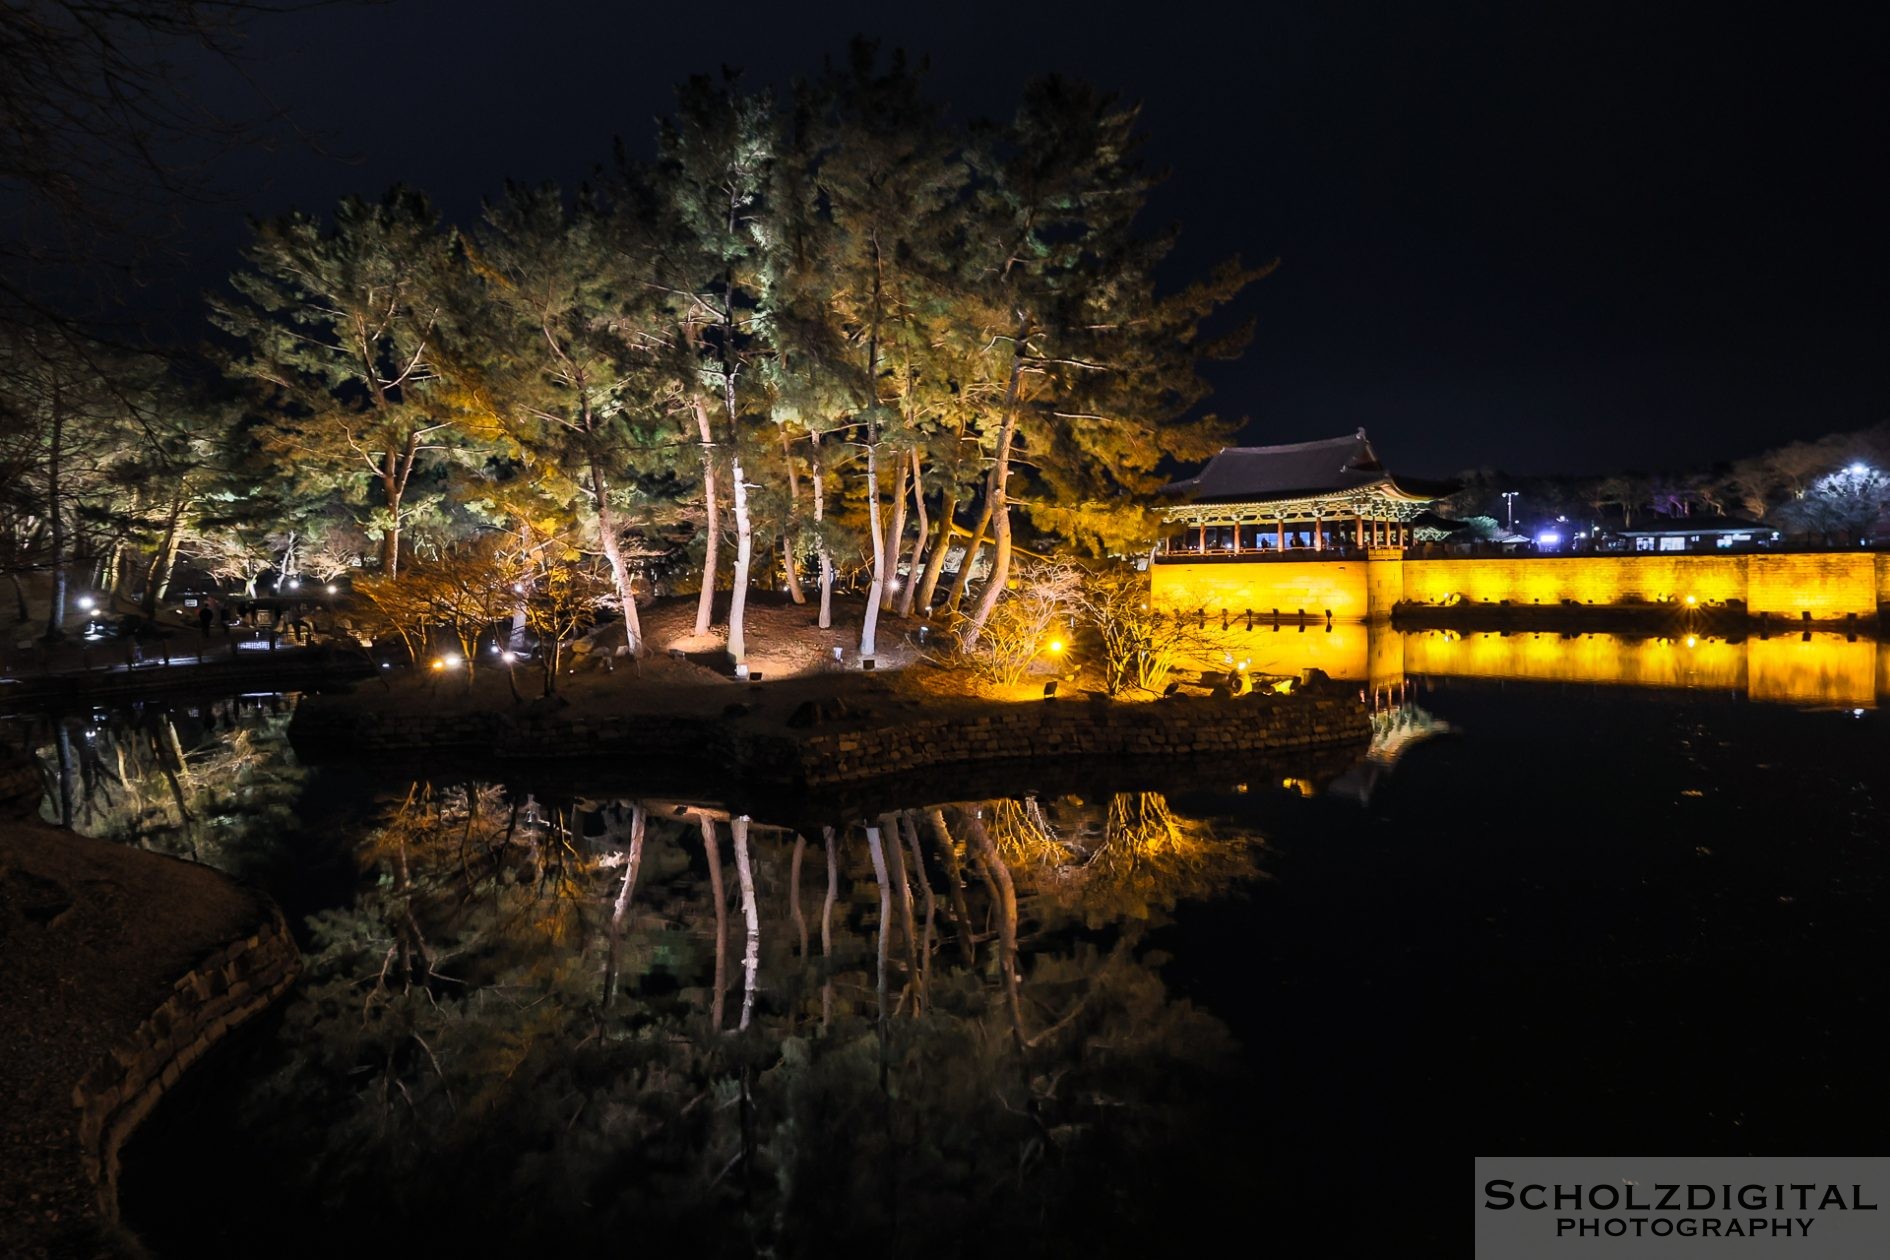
x=1262, y=585
x=1827, y=585
x=1822, y=583
x=1344, y=651
x=1384, y=581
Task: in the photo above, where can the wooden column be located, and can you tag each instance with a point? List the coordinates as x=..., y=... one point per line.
x=1318, y=534
x=1281, y=531
x=1203, y=527
x=1359, y=521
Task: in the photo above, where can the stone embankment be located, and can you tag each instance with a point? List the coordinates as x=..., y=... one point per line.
x=123, y=968
x=848, y=752
x=231, y=985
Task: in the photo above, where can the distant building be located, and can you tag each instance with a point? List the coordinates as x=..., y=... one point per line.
x=1331, y=495
x=1697, y=533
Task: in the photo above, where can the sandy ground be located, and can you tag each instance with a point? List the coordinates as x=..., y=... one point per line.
x=92, y=935
x=684, y=673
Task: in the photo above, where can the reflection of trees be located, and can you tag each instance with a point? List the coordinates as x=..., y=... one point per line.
x=515, y=1033
x=1129, y=857
x=215, y=783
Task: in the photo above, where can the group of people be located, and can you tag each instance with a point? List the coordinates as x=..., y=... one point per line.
x=212, y=612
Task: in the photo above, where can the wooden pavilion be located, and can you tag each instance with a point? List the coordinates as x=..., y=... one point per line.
x=1327, y=496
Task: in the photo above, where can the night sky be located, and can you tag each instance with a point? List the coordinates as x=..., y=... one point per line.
x=1548, y=238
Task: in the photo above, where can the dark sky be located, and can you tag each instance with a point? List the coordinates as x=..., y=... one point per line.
x=1545, y=237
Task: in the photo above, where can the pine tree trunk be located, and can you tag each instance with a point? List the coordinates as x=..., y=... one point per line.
x=1007, y=922
x=1000, y=511
x=874, y=848
x=895, y=533
x=620, y=909
x=870, y=626
x=712, y=530
x=619, y=571
x=826, y=930
x=794, y=892
x=751, y=951
x=158, y=581
x=962, y=582
x=911, y=586
x=935, y=563
x=56, y=518
x=955, y=876
x=791, y=569
x=744, y=556
x=820, y=543
x=896, y=861
x=717, y=895
x=911, y=830
x=391, y=493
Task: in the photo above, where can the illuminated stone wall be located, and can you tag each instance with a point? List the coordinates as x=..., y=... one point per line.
x=1345, y=652
x=1828, y=585
x=1263, y=585
x=1823, y=583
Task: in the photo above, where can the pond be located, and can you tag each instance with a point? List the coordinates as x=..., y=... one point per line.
x=1109, y=1015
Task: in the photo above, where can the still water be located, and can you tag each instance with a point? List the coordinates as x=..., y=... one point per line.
x=1577, y=896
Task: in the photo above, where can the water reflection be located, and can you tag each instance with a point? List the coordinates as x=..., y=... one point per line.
x=642, y=1018
x=201, y=779
x=1809, y=668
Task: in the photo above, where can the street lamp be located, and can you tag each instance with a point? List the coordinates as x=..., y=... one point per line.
x=1509, y=503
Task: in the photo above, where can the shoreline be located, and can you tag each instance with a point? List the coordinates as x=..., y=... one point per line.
x=880, y=738
x=297, y=668
x=126, y=967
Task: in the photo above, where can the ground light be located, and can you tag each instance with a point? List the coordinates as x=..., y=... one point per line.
x=87, y=603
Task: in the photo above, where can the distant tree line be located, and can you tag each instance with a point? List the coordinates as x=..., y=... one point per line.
x=1834, y=490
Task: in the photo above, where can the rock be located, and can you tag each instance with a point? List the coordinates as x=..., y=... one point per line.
x=737, y=710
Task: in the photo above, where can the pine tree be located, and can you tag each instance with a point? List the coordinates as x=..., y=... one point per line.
x=339, y=326
x=713, y=173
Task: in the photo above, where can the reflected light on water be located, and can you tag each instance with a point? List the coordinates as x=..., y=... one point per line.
x=1806, y=669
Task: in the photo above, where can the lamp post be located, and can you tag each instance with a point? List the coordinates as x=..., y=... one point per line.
x=1509, y=504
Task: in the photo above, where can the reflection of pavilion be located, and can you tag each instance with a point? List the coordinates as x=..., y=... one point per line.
x=1397, y=727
